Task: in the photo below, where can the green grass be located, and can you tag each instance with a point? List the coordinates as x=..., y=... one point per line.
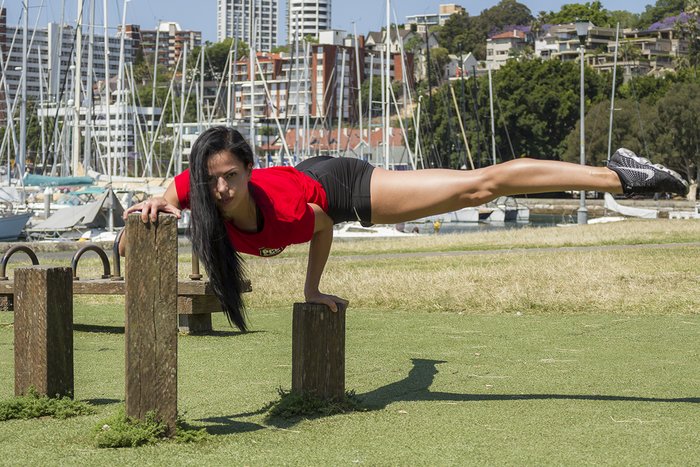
x=525, y=358
x=34, y=405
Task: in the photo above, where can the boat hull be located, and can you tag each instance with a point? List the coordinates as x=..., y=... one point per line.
x=11, y=226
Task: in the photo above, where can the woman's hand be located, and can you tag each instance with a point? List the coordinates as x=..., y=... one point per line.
x=330, y=300
x=151, y=207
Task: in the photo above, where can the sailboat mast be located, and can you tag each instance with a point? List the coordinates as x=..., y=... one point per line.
x=108, y=98
x=340, y=101
x=387, y=82
x=153, y=89
x=41, y=102
x=87, y=156
x=369, y=107
x=612, y=96
x=121, y=108
x=297, y=82
x=251, y=69
x=493, y=123
x=359, y=90
x=77, y=81
x=23, y=104
x=182, y=109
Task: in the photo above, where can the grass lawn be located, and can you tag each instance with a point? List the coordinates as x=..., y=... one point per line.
x=537, y=357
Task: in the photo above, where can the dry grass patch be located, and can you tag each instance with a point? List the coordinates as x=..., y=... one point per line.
x=631, y=232
x=646, y=281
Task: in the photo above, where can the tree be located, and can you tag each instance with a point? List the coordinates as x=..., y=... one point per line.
x=675, y=134
x=630, y=122
x=505, y=13
x=464, y=33
x=624, y=18
x=539, y=104
x=216, y=57
x=572, y=12
x=689, y=30
x=659, y=11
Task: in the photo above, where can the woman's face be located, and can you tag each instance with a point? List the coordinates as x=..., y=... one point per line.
x=228, y=182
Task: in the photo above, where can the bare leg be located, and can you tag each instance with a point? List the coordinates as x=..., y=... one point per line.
x=399, y=196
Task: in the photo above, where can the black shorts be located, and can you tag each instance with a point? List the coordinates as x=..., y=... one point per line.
x=346, y=181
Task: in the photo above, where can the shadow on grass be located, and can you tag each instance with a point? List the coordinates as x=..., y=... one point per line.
x=416, y=387
x=220, y=333
x=103, y=329
x=227, y=425
x=102, y=401
x=98, y=328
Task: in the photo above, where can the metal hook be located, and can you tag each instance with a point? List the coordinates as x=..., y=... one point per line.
x=116, y=259
x=12, y=251
x=100, y=252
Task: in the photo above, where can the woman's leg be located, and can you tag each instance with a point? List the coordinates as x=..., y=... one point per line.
x=399, y=196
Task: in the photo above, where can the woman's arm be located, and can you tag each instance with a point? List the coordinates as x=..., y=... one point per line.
x=150, y=208
x=319, y=249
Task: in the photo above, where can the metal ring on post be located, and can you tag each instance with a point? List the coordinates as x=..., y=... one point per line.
x=100, y=252
x=116, y=259
x=12, y=251
x=195, y=276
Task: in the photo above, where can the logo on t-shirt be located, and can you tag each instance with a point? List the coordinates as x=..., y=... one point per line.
x=271, y=251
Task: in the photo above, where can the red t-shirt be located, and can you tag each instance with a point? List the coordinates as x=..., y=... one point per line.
x=281, y=194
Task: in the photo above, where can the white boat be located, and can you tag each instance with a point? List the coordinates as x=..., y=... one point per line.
x=461, y=215
x=629, y=211
x=355, y=230
x=505, y=209
x=685, y=214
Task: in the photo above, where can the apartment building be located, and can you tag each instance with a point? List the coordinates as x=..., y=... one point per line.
x=421, y=23
x=312, y=83
x=49, y=59
x=253, y=21
x=168, y=40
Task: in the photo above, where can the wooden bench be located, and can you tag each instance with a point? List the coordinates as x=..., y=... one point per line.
x=195, y=299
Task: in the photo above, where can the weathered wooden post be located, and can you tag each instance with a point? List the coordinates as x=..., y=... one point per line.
x=151, y=318
x=44, y=330
x=318, y=350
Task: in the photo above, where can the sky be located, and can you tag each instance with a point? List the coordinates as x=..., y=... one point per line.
x=200, y=15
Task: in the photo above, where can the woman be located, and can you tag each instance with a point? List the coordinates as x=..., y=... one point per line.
x=237, y=209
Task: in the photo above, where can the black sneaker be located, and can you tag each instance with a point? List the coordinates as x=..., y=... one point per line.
x=638, y=175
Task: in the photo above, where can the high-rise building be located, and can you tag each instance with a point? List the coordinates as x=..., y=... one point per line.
x=237, y=18
x=311, y=17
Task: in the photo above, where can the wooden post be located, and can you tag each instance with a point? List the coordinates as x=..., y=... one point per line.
x=151, y=318
x=44, y=331
x=318, y=350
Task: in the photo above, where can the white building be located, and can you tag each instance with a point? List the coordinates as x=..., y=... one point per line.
x=123, y=147
x=501, y=47
x=237, y=18
x=311, y=17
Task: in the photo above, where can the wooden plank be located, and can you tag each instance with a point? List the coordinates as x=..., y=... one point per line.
x=110, y=287
x=198, y=304
x=318, y=350
x=44, y=331
x=151, y=325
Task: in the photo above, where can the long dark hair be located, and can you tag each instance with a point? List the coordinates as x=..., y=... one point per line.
x=207, y=230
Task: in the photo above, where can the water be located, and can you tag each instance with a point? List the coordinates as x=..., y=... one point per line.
x=536, y=220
